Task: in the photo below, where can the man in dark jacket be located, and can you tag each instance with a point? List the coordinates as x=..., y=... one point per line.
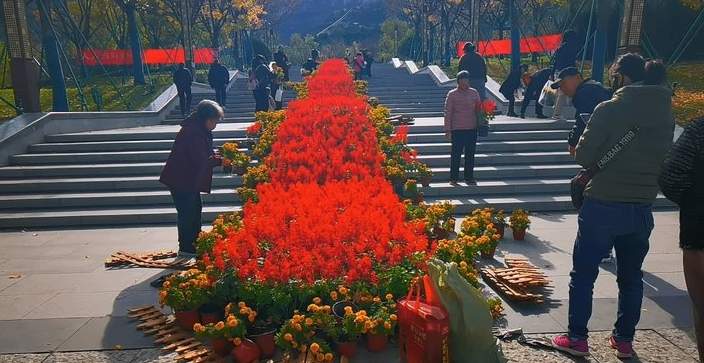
x=369, y=60
x=264, y=77
x=282, y=61
x=586, y=94
x=183, y=80
x=509, y=87
x=315, y=54
x=218, y=78
x=310, y=65
x=474, y=63
x=565, y=56
x=535, y=87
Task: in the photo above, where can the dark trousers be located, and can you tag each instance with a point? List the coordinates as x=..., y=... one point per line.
x=184, y=100
x=463, y=141
x=603, y=226
x=189, y=207
x=221, y=95
x=511, y=104
x=538, y=107
x=261, y=99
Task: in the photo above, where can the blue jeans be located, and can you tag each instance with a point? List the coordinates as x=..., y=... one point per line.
x=603, y=226
x=480, y=86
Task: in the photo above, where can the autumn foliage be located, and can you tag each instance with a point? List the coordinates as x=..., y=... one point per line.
x=327, y=211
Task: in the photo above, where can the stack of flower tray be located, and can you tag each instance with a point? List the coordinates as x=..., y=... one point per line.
x=518, y=281
x=167, y=333
x=147, y=259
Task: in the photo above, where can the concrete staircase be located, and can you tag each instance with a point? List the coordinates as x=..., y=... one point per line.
x=110, y=177
x=522, y=164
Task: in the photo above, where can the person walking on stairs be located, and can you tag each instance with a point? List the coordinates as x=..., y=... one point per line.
x=262, y=89
x=368, y=60
x=218, y=78
x=535, y=84
x=586, y=94
x=281, y=60
x=682, y=181
x=512, y=83
x=474, y=64
x=565, y=56
x=358, y=66
x=189, y=170
x=617, y=210
x=183, y=81
x=461, y=121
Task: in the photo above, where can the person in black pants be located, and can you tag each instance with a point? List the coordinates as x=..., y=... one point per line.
x=264, y=77
x=509, y=87
x=183, y=80
x=460, y=127
x=535, y=87
x=218, y=78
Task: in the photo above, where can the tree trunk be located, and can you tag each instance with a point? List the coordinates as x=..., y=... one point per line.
x=53, y=60
x=137, y=62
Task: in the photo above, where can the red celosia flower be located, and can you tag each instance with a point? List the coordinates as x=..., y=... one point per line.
x=254, y=129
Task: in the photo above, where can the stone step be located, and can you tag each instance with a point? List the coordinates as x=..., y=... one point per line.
x=505, y=172
x=110, y=146
x=97, y=217
x=136, y=135
x=492, y=159
x=28, y=202
x=495, y=147
x=439, y=137
x=499, y=187
x=533, y=203
x=92, y=184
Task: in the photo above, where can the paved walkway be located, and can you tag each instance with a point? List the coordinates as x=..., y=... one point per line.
x=56, y=297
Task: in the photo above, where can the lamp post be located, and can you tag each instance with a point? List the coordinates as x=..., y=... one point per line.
x=631, y=27
x=515, y=36
x=23, y=68
x=600, y=40
x=186, y=28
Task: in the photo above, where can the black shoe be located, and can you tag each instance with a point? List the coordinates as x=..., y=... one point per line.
x=541, y=116
x=511, y=114
x=453, y=182
x=523, y=115
x=470, y=181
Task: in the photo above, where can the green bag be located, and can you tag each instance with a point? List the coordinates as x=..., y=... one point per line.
x=471, y=340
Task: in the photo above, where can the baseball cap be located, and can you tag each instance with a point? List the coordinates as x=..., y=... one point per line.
x=565, y=73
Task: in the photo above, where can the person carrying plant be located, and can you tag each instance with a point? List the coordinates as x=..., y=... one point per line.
x=682, y=181
x=474, y=64
x=262, y=89
x=617, y=208
x=358, y=66
x=281, y=60
x=461, y=123
x=189, y=171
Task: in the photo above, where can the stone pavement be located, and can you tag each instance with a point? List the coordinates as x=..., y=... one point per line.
x=59, y=304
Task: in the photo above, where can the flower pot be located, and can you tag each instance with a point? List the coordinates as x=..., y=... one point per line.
x=519, y=234
x=265, y=342
x=489, y=254
x=501, y=229
x=221, y=346
x=377, y=342
x=347, y=349
x=210, y=314
x=186, y=319
x=440, y=233
x=338, y=308
x=425, y=181
x=247, y=352
x=238, y=170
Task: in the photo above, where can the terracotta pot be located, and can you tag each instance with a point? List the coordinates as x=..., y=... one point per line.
x=425, y=181
x=347, y=349
x=221, y=346
x=519, y=234
x=266, y=344
x=377, y=342
x=501, y=228
x=186, y=319
x=247, y=352
x=489, y=254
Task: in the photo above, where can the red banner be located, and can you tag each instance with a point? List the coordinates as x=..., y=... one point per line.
x=122, y=57
x=541, y=44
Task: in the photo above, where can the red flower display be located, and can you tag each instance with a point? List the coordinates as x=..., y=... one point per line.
x=328, y=212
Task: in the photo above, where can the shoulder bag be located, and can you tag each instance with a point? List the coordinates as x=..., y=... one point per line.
x=581, y=180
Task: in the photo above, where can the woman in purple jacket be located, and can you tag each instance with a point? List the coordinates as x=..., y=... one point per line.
x=189, y=170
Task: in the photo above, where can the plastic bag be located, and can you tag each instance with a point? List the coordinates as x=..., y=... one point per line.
x=548, y=95
x=471, y=339
x=424, y=329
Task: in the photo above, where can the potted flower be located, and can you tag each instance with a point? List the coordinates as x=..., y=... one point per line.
x=298, y=335
x=499, y=220
x=346, y=332
x=185, y=292
x=271, y=303
x=412, y=191
x=425, y=174
x=378, y=328
x=496, y=307
x=520, y=222
x=222, y=333
x=487, y=245
x=234, y=158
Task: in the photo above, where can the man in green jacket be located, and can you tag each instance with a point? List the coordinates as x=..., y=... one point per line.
x=617, y=211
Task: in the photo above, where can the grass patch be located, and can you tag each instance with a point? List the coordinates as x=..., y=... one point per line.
x=127, y=96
